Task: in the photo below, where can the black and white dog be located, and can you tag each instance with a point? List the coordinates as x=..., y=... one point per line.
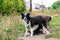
x=31, y=21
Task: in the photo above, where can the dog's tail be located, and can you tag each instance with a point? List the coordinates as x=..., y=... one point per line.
x=49, y=18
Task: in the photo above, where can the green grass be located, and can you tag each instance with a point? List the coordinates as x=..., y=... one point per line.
x=16, y=28
x=12, y=27
x=21, y=28
x=55, y=28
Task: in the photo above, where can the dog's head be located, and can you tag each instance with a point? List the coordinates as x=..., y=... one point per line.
x=25, y=16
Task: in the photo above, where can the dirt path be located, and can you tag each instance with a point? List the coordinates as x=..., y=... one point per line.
x=36, y=37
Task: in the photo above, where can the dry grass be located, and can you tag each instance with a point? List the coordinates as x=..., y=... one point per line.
x=12, y=26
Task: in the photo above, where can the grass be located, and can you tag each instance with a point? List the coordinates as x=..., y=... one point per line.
x=55, y=26
x=12, y=27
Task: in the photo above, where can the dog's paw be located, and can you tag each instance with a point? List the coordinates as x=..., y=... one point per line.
x=25, y=35
x=47, y=32
x=31, y=36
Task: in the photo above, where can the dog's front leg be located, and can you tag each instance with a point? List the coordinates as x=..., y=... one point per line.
x=26, y=33
x=31, y=31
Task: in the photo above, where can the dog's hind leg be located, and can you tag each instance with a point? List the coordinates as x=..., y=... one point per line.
x=45, y=25
x=31, y=29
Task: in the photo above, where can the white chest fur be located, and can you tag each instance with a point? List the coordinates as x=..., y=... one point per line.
x=25, y=22
x=26, y=25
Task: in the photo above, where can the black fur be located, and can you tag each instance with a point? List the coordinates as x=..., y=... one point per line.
x=37, y=31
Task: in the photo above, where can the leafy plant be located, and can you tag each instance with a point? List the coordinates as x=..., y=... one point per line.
x=9, y=6
x=56, y=5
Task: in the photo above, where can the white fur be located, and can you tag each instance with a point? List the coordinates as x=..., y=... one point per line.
x=26, y=25
x=25, y=16
x=31, y=29
x=47, y=32
x=35, y=27
x=40, y=29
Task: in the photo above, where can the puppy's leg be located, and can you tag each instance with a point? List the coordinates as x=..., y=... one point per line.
x=31, y=29
x=41, y=28
x=37, y=30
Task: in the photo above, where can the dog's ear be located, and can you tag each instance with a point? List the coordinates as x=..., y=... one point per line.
x=28, y=13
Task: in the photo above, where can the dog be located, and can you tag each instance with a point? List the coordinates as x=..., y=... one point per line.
x=39, y=29
x=31, y=21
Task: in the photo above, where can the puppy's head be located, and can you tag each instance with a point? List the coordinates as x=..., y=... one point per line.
x=25, y=16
